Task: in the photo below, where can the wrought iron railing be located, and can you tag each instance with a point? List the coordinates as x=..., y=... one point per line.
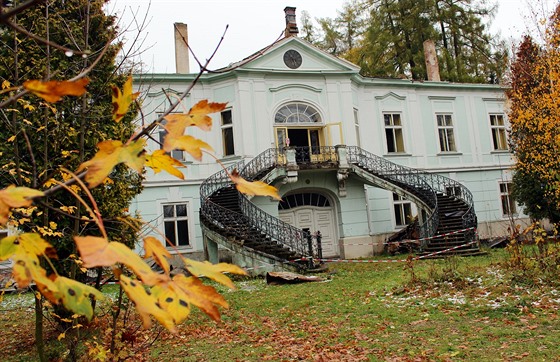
x=256, y=219
x=217, y=181
x=411, y=180
x=315, y=154
x=422, y=184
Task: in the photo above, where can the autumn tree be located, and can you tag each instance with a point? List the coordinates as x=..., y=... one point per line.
x=535, y=123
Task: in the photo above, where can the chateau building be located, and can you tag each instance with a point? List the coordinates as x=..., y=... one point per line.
x=353, y=157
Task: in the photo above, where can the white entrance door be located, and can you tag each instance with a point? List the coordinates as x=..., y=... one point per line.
x=315, y=218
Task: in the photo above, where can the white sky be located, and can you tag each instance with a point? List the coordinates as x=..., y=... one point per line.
x=254, y=24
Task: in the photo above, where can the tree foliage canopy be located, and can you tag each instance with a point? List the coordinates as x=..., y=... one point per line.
x=535, y=123
x=385, y=38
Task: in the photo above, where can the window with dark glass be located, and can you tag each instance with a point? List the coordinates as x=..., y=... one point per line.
x=403, y=210
x=227, y=133
x=393, y=132
x=445, y=133
x=176, y=224
x=508, y=204
x=498, y=127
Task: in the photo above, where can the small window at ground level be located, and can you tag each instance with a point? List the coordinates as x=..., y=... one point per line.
x=508, y=204
x=176, y=224
x=403, y=211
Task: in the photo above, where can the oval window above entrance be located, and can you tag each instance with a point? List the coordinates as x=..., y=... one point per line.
x=295, y=113
x=303, y=199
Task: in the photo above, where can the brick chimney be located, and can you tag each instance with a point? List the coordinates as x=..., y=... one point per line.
x=291, y=25
x=432, y=66
x=181, y=48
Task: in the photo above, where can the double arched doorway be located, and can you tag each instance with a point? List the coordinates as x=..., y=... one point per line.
x=315, y=212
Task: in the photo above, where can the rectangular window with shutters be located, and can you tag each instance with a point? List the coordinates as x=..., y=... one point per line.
x=445, y=133
x=498, y=126
x=176, y=224
x=393, y=132
x=227, y=133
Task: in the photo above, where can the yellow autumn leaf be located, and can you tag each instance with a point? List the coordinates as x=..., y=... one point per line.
x=110, y=154
x=213, y=271
x=6, y=84
x=12, y=197
x=61, y=336
x=53, y=90
x=12, y=139
x=154, y=248
x=197, y=116
x=96, y=251
x=146, y=304
x=123, y=100
x=193, y=291
x=187, y=143
x=253, y=188
x=75, y=296
x=173, y=300
x=160, y=160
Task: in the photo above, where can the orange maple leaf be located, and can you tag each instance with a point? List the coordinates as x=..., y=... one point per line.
x=96, y=251
x=253, y=188
x=187, y=143
x=153, y=247
x=53, y=90
x=110, y=154
x=123, y=100
x=193, y=291
x=213, y=271
x=160, y=160
x=12, y=197
x=197, y=116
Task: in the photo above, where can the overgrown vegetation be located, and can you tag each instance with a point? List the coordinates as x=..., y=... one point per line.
x=457, y=309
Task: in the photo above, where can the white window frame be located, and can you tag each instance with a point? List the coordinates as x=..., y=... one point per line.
x=396, y=130
x=399, y=205
x=447, y=130
x=509, y=208
x=357, y=127
x=227, y=127
x=498, y=132
x=186, y=218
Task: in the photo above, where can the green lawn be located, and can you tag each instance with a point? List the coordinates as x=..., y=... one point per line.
x=457, y=309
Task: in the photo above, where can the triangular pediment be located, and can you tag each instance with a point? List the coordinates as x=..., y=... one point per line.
x=312, y=59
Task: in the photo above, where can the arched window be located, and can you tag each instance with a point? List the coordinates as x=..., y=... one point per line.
x=294, y=113
x=303, y=199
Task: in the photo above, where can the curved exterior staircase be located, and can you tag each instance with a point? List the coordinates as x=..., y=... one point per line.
x=446, y=221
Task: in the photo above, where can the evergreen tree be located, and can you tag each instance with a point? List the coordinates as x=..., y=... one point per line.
x=40, y=140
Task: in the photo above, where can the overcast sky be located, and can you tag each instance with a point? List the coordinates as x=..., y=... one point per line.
x=253, y=24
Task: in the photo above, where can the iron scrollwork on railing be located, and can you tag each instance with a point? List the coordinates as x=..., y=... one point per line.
x=407, y=178
x=254, y=218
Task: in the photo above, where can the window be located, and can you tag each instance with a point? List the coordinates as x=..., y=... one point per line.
x=162, y=132
x=176, y=224
x=403, y=210
x=498, y=132
x=227, y=133
x=445, y=133
x=393, y=132
x=508, y=204
x=297, y=113
x=357, y=127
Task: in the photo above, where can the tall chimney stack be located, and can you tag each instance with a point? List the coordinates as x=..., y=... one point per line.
x=432, y=66
x=181, y=48
x=291, y=25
